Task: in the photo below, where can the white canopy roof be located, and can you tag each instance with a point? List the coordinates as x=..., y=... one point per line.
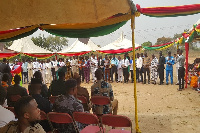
x=120, y=43
x=26, y=45
x=77, y=46
x=92, y=45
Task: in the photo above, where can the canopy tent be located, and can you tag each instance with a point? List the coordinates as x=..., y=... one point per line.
x=77, y=48
x=90, y=43
x=26, y=45
x=120, y=45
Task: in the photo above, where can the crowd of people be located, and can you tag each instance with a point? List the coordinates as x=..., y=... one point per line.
x=36, y=98
x=115, y=69
x=65, y=80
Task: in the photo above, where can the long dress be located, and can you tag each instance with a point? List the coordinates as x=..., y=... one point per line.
x=154, y=72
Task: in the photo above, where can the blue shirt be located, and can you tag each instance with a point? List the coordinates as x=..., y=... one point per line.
x=114, y=61
x=170, y=60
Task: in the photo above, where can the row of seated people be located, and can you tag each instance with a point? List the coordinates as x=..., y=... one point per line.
x=67, y=102
x=29, y=114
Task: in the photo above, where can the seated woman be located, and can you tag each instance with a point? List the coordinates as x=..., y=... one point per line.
x=81, y=91
x=68, y=104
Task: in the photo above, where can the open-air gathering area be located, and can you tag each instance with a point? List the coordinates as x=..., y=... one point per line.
x=99, y=66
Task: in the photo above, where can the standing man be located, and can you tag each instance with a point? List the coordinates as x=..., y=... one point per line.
x=139, y=68
x=25, y=71
x=48, y=72
x=181, y=70
x=114, y=64
x=35, y=65
x=125, y=64
x=169, y=60
x=30, y=70
x=146, y=70
x=176, y=56
x=154, y=73
x=93, y=66
x=107, y=68
x=53, y=68
x=5, y=68
x=131, y=68
x=119, y=70
x=87, y=69
x=80, y=65
x=74, y=64
x=161, y=67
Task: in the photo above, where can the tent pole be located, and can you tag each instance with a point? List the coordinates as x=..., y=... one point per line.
x=186, y=63
x=134, y=72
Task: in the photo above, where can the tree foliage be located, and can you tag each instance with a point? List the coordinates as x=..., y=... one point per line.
x=163, y=40
x=52, y=43
x=147, y=44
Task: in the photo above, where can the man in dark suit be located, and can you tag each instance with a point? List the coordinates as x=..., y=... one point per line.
x=5, y=68
x=161, y=67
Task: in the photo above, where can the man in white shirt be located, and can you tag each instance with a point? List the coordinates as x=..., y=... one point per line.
x=35, y=66
x=30, y=70
x=48, y=72
x=93, y=66
x=125, y=64
x=119, y=70
x=25, y=71
x=139, y=68
x=43, y=69
x=74, y=64
x=6, y=115
x=54, y=68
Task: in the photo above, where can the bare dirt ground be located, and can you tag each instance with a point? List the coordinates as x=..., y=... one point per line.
x=161, y=108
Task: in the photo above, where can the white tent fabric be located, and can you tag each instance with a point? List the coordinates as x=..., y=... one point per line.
x=120, y=43
x=92, y=45
x=76, y=47
x=26, y=45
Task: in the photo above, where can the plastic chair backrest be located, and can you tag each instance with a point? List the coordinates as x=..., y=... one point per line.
x=83, y=99
x=100, y=100
x=86, y=118
x=52, y=99
x=43, y=115
x=14, y=98
x=116, y=121
x=59, y=117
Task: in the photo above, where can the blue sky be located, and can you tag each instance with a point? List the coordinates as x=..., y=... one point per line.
x=149, y=28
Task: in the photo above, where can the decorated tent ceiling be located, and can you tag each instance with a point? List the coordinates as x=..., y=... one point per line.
x=102, y=20
x=23, y=13
x=171, y=11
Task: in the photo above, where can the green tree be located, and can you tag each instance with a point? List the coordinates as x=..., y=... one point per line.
x=163, y=40
x=147, y=44
x=52, y=43
x=8, y=44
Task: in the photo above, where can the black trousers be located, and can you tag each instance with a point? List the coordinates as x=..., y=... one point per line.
x=181, y=75
x=125, y=74
x=24, y=77
x=81, y=73
x=131, y=75
x=146, y=72
x=139, y=72
x=161, y=75
x=114, y=70
x=53, y=73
